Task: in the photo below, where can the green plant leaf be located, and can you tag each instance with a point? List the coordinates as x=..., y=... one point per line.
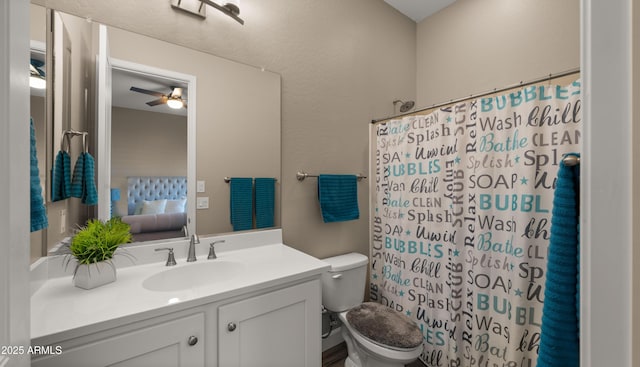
x=97, y=241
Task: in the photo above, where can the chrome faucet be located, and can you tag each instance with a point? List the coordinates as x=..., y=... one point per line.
x=192, y=248
x=185, y=230
x=212, y=251
x=171, y=260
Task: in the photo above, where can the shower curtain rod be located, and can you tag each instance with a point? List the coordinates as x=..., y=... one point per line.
x=495, y=90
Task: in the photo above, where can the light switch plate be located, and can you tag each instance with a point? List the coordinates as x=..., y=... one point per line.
x=202, y=202
x=199, y=186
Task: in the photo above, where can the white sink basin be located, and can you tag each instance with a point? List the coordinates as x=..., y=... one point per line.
x=193, y=275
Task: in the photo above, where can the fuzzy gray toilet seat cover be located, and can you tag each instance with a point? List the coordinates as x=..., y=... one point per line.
x=384, y=325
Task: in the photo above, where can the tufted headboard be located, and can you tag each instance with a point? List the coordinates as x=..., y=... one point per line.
x=141, y=188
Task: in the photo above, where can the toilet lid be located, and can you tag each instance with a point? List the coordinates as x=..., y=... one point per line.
x=384, y=325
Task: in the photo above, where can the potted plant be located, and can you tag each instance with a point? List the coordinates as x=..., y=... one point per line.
x=93, y=247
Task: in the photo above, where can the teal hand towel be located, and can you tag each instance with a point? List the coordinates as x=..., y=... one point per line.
x=77, y=180
x=89, y=192
x=559, y=332
x=265, y=202
x=61, y=180
x=38, y=211
x=241, y=203
x=83, y=183
x=338, y=196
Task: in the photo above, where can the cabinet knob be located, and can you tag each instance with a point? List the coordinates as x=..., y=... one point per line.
x=193, y=340
x=231, y=326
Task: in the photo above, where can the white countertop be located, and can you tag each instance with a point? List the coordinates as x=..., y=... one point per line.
x=60, y=310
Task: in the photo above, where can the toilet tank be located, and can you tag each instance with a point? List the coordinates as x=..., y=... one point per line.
x=343, y=284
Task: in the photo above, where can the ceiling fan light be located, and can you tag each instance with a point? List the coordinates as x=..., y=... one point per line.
x=37, y=82
x=36, y=77
x=175, y=103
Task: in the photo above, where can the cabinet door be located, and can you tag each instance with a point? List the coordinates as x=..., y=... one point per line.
x=166, y=344
x=277, y=329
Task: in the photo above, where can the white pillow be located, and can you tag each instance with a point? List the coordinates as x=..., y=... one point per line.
x=138, y=208
x=175, y=206
x=153, y=207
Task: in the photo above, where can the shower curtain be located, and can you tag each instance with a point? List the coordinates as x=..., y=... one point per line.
x=461, y=221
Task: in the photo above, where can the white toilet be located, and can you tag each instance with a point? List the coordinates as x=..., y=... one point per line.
x=376, y=335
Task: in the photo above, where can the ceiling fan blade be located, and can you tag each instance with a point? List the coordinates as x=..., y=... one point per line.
x=145, y=91
x=158, y=101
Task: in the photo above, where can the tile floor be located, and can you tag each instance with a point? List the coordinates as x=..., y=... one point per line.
x=335, y=357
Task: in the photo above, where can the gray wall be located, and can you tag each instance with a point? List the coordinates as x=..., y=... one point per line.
x=636, y=178
x=475, y=46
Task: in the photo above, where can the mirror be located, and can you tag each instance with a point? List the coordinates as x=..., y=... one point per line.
x=236, y=134
x=38, y=35
x=149, y=150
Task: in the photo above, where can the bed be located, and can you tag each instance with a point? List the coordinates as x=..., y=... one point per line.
x=156, y=207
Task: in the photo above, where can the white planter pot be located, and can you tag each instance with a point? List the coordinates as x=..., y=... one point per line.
x=94, y=275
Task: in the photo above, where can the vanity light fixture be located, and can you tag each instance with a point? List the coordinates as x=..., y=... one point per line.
x=230, y=8
x=36, y=76
x=196, y=7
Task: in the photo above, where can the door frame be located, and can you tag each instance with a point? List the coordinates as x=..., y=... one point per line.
x=14, y=182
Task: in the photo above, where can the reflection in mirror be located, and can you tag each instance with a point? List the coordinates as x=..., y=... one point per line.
x=149, y=151
x=238, y=123
x=238, y=126
x=62, y=65
x=38, y=114
x=71, y=60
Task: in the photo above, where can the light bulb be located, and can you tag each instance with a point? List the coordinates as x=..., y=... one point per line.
x=175, y=103
x=37, y=82
x=233, y=6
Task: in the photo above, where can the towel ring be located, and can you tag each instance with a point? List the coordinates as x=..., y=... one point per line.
x=66, y=138
x=68, y=134
x=85, y=145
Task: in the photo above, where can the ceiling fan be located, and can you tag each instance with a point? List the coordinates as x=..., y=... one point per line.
x=173, y=99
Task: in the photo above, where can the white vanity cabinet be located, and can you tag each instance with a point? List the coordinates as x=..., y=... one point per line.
x=277, y=329
x=265, y=314
x=174, y=343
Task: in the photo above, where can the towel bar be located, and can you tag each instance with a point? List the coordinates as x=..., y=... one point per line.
x=302, y=175
x=228, y=179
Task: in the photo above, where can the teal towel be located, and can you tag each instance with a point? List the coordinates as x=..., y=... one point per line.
x=83, y=184
x=77, y=180
x=61, y=180
x=89, y=192
x=559, y=334
x=241, y=203
x=38, y=211
x=265, y=202
x=338, y=196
